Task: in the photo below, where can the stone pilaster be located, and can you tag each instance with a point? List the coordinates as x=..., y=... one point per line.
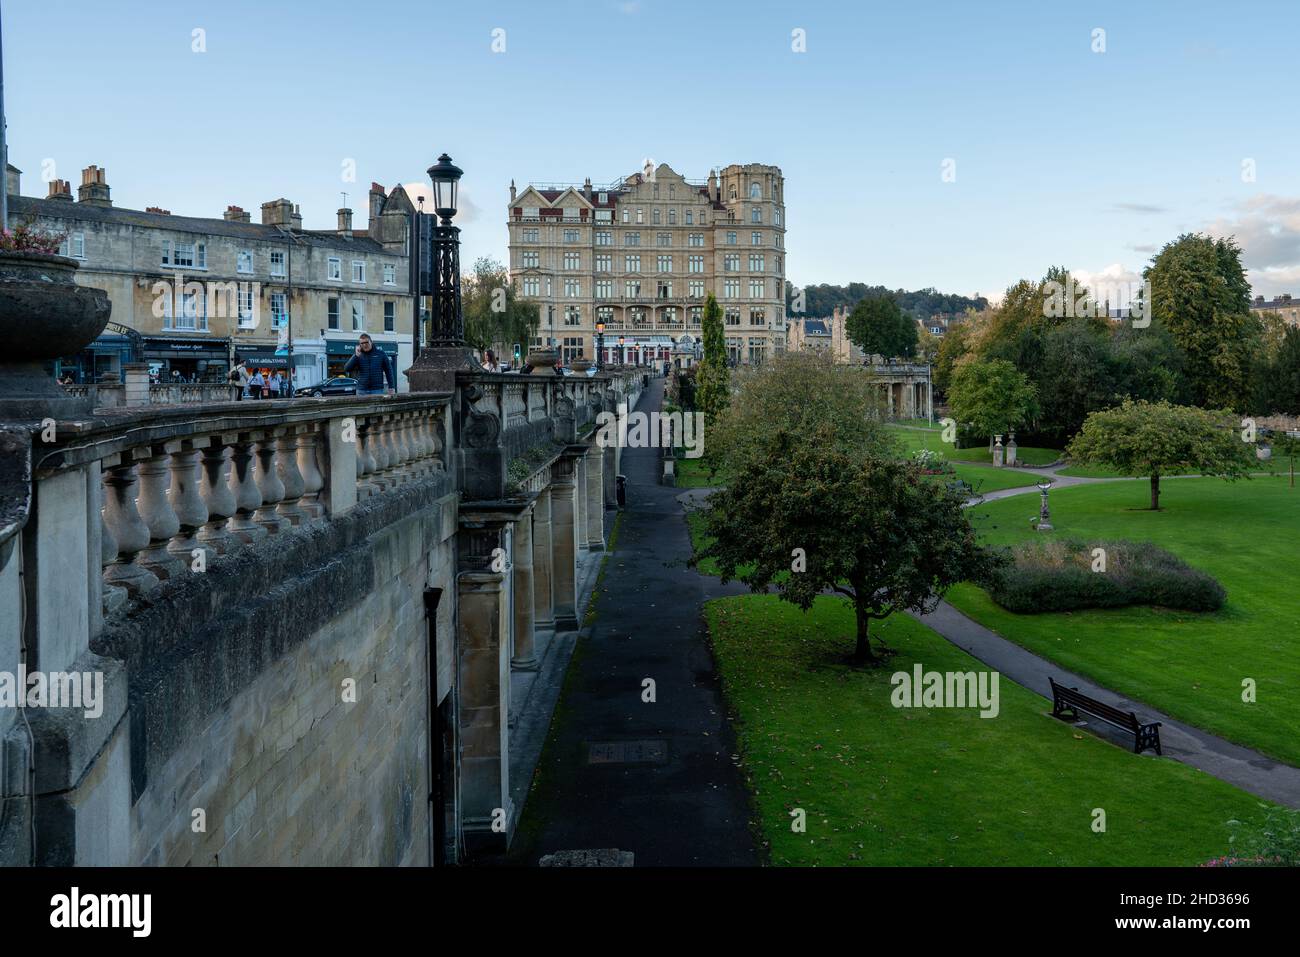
x=580, y=516
x=543, y=562
x=595, y=500
x=564, y=543
x=525, y=656
x=483, y=637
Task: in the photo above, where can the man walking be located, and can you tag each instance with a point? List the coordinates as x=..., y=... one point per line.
x=370, y=367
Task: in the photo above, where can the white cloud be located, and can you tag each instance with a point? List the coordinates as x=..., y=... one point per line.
x=467, y=211
x=1267, y=228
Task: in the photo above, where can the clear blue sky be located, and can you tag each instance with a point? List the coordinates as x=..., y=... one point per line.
x=1063, y=155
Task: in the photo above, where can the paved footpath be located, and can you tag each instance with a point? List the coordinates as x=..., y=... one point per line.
x=657, y=779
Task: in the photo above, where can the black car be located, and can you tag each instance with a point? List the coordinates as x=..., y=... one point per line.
x=338, y=385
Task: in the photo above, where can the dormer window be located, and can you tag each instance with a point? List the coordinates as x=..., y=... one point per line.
x=602, y=198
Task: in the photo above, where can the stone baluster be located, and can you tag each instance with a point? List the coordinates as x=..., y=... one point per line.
x=366, y=464
x=308, y=446
x=290, y=476
x=401, y=447
x=269, y=485
x=187, y=500
x=155, y=507
x=127, y=529
x=114, y=595
x=378, y=446
x=214, y=485
x=248, y=498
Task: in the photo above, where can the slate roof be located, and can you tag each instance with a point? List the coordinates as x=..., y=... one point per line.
x=22, y=206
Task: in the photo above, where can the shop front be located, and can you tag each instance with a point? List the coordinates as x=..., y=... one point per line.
x=339, y=351
x=187, y=360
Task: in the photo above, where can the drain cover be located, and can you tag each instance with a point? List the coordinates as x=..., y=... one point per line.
x=627, y=752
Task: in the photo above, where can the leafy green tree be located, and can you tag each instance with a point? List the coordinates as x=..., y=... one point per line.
x=1148, y=364
x=797, y=392
x=1199, y=292
x=991, y=396
x=806, y=515
x=1157, y=438
x=1278, y=378
x=953, y=347
x=1076, y=376
x=495, y=316
x=878, y=326
x=713, y=378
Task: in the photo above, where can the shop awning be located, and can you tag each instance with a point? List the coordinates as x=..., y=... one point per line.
x=197, y=347
x=336, y=348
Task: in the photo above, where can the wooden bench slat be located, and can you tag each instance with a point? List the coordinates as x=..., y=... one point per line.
x=1072, y=699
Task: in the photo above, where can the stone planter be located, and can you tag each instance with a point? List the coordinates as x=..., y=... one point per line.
x=580, y=365
x=543, y=359
x=44, y=314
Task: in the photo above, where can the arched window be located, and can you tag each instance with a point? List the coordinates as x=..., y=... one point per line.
x=733, y=191
x=755, y=191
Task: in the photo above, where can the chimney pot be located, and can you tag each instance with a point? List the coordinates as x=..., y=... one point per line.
x=345, y=221
x=94, y=190
x=60, y=189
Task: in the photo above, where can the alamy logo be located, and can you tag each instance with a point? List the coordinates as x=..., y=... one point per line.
x=176, y=298
x=946, y=689
x=57, y=689
x=1072, y=301
x=653, y=430
x=102, y=910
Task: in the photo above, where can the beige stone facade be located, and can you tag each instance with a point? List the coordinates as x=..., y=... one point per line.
x=641, y=255
x=193, y=294
x=825, y=335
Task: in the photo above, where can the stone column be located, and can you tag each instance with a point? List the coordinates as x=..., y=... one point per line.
x=483, y=636
x=543, y=600
x=525, y=655
x=580, y=515
x=564, y=544
x=595, y=500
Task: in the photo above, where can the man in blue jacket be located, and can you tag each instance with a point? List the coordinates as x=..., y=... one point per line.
x=370, y=367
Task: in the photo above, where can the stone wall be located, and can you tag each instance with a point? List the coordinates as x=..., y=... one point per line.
x=303, y=735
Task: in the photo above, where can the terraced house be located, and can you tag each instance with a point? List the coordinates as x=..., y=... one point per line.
x=641, y=254
x=192, y=295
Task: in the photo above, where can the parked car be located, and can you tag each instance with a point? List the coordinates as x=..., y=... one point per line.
x=337, y=385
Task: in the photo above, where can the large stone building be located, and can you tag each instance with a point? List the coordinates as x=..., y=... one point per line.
x=191, y=295
x=642, y=253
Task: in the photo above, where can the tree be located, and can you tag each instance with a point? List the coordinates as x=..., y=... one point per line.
x=713, y=380
x=991, y=396
x=1199, y=292
x=953, y=347
x=878, y=327
x=1076, y=376
x=807, y=515
x=1278, y=378
x=1157, y=438
x=798, y=392
x=494, y=314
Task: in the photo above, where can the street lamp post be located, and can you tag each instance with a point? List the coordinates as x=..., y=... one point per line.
x=600, y=345
x=620, y=350
x=445, y=350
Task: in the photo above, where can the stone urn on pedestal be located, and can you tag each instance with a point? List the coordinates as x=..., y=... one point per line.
x=542, y=359
x=44, y=315
x=997, y=450
x=580, y=364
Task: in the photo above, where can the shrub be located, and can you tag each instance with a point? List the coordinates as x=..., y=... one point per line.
x=1057, y=575
x=1273, y=842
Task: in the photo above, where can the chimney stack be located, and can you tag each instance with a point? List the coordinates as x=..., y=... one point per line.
x=158, y=209
x=13, y=179
x=236, y=214
x=713, y=185
x=586, y=188
x=377, y=197
x=60, y=189
x=93, y=190
x=278, y=212
x=512, y=191
x=296, y=219
x=345, y=222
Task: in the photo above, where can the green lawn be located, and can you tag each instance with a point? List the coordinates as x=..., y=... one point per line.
x=694, y=473
x=1190, y=665
x=884, y=786
x=983, y=478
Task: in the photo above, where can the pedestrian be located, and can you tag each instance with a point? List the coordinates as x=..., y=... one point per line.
x=255, y=384
x=239, y=376
x=285, y=386
x=273, y=385
x=490, y=363
x=370, y=367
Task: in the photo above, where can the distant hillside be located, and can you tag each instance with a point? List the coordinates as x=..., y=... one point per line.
x=823, y=299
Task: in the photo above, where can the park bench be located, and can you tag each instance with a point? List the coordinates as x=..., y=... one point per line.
x=1073, y=700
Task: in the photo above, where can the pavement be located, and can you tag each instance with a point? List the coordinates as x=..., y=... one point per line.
x=659, y=779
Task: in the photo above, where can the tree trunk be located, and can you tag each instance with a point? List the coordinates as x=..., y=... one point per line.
x=862, y=654
x=1155, y=493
